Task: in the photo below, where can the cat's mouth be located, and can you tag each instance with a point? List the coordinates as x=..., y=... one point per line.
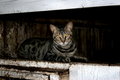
x=63, y=44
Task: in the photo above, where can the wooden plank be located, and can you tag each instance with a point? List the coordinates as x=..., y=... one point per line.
x=36, y=64
x=19, y=6
x=1, y=39
x=94, y=72
x=77, y=71
x=23, y=74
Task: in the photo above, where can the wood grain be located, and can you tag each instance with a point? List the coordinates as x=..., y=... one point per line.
x=36, y=64
x=20, y=6
x=22, y=74
x=94, y=72
x=77, y=71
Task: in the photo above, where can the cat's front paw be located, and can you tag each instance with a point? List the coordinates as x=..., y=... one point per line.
x=66, y=59
x=63, y=59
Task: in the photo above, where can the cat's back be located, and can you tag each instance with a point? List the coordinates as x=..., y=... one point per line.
x=35, y=41
x=34, y=48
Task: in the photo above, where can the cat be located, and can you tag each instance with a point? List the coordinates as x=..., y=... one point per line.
x=60, y=48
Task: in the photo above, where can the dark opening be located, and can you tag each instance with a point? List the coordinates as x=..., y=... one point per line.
x=95, y=31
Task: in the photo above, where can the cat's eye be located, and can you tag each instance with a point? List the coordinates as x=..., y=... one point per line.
x=57, y=37
x=67, y=35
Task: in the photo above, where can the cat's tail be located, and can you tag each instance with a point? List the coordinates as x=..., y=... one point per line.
x=79, y=59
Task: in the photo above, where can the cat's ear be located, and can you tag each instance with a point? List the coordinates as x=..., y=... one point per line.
x=69, y=26
x=53, y=28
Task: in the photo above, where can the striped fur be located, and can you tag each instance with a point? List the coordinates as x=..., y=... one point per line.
x=61, y=54
x=61, y=48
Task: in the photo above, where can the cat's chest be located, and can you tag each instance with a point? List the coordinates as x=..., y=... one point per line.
x=66, y=51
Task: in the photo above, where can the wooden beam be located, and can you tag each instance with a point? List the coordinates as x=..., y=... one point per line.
x=23, y=74
x=36, y=64
x=77, y=71
x=20, y=6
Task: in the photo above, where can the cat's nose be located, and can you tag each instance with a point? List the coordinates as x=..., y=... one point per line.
x=64, y=42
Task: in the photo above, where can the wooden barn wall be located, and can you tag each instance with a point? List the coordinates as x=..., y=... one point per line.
x=91, y=39
x=15, y=32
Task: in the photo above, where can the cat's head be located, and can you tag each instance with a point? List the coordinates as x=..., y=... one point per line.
x=62, y=36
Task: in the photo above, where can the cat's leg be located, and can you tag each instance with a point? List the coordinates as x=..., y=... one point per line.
x=66, y=59
x=62, y=59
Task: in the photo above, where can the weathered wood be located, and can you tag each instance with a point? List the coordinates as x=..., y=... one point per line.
x=22, y=74
x=54, y=77
x=16, y=72
x=77, y=71
x=64, y=75
x=13, y=33
x=94, y=72
x=1, y=38
x=20, y=6
x=36, y=64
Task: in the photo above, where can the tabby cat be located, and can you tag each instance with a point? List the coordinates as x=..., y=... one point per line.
x=60, y=48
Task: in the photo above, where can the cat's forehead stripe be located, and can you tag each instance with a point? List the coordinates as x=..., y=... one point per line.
x=62, y=32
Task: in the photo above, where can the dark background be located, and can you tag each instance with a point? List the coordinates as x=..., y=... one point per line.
x=96, y=31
